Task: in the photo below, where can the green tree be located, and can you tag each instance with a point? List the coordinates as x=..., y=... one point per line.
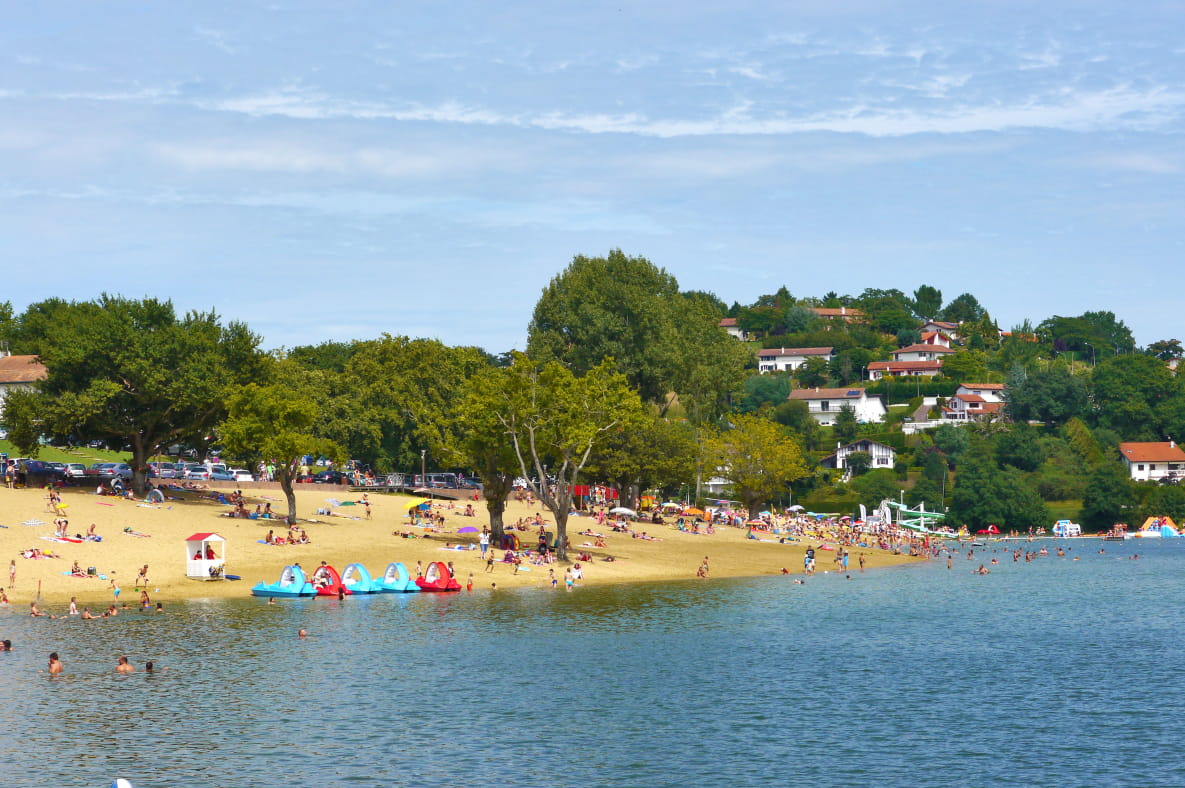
x=796, y=415
x=555, y=420
x=1128, y=391
x=758, y=459
x=812, y=373
x=952, y=441
x=875, y=486
x=846, y=427
x=134, y=373
x=1019, y=447
x=1109, y=497
x=1166, y=349
x=1164, y=501
x=274, y=420
x=1083, y=443
x=657, y=452
x=984, y=495
x=925, y=492
x=616, y=307
x=967, y=365
x=1049, y=395
x=964, y=308
x=858, y=462
x=927, y=302
x=761, y=390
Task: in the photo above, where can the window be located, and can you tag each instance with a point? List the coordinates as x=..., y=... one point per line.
x=1139, y=467
x=824, y=405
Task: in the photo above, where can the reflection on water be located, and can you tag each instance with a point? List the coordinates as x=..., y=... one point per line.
x=1050, y=673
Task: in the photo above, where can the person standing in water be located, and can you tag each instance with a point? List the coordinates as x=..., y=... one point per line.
x=55, y=664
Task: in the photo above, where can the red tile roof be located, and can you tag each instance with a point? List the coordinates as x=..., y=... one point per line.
x=969, y=397
x=726, y=322
x=774, y=352
x=852, y=393
x=1152, y=452
x=905, y=366
x=21, y=369
x=983, y=386
x=924, y=349
x=843, y=311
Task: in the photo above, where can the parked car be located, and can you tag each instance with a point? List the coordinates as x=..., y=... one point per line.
x=162, y=470
x=75, y=470
x=36, y=472
x=197, y=472
x=221, y=476
x=331, y=477
x=242, y=475
x=116, y=470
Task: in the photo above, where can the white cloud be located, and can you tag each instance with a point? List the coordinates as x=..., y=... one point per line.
x=1148, y=163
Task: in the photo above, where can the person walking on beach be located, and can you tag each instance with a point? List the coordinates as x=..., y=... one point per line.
x=484, y=540
x=12, y=573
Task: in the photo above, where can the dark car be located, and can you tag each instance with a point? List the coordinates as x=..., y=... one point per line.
x=34, y=473
x=331, y=477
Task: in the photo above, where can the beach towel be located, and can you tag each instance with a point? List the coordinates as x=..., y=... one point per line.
x=62, y=539
x=130, y=532
x=33, y=523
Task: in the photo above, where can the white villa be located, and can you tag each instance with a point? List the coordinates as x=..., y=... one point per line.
x=882, y=456
x=825, y=404
x=950, y=329
x=729, y=324
x=973, y=401
x=1149, y=462
x=921, y=352
x=880, y=369
x=778, y=359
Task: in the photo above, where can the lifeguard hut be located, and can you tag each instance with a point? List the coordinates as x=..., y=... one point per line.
x=205, y=556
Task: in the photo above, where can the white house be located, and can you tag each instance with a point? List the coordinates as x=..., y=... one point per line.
x=921, y=352
x=729, y=324
x=19, y=372
x=882, y=456
x=879, y=369
x=935, y=338
x=778, y=359
x=825, y=404
x=974, y=401
x=844, y=313
x=1148, y=462
x=950, y=329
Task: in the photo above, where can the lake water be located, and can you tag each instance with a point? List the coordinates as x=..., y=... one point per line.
x=1056, y=672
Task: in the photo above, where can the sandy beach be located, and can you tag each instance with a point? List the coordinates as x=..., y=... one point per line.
x=338, y=539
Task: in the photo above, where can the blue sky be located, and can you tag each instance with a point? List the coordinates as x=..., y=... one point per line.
x=337, y=170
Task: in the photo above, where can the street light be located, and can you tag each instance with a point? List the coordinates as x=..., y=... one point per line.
x=423, y=468
x=1091, y=352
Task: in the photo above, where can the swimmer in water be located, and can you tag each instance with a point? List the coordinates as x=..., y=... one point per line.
x=55, y=664
x=124, y=666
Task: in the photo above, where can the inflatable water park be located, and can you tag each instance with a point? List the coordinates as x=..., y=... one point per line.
x=356, y=580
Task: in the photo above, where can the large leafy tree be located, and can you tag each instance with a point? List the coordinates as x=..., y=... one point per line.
x=1109, y=497
x=554, y=421
x=656, y=453
x=1053, y=395
x=964, y=308
x=1129, y=391
x=758, y=458
x=274, y=421
x=927, y=302
x=134, y=373
x=616, y=307
x=986, y=495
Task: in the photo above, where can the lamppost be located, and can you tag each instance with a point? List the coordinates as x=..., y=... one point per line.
x=1091, y=352
x=423, y=468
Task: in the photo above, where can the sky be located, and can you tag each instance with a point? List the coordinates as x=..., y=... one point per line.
x=339, y=170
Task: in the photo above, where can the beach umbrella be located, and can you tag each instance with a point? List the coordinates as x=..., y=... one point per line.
x=756, y=522
x=333, y=502
x=623, y=510
x=414, y=504
x=468, y=529
x=694, y=512
x=670, y=505
x=796, y=508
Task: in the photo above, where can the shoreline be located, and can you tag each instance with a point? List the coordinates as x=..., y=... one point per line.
x=340, y=539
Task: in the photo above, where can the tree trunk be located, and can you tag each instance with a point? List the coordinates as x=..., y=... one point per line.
x=561, y=527
x=139, y=463
x=286, y=472
x=497, y=490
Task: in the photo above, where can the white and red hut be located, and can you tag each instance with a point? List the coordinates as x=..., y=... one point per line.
x=205, y=556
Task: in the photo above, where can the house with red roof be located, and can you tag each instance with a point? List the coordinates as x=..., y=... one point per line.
x=921, y=352
x=781, y=359
x=845, y=313
x=1153, y=462
x=974, y=402
x=941, y=326
x=729, y=324
x=880, y=369
x=19, y=372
